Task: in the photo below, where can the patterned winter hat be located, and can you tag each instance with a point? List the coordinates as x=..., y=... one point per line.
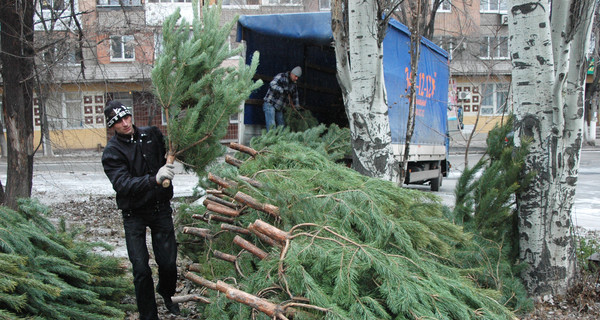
x=114, y=112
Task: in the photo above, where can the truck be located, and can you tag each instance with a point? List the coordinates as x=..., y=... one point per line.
x=306, y=40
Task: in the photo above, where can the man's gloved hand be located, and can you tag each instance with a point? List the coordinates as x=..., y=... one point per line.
x=165, y=172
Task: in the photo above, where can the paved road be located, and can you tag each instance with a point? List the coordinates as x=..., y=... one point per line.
x=587, y=197
x=77, y=178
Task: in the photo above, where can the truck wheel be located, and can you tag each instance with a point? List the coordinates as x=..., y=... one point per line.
x=436, y=183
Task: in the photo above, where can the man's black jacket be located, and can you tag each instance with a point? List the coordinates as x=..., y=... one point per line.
x=131, y=164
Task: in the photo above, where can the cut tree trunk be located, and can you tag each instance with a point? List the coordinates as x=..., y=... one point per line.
x=208, y=217
x=201, y=232
x=271, y=231
x=236, y=229
x=243, y=148
x=254, y=204
x=260, y=304
x=233, y=161
x=224, y=256
x=190, y=297
x=221, y=209
x=263, y=237
x=248, y=246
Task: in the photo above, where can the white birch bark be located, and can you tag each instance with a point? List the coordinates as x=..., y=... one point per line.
x=359, y=56
x=548, y=57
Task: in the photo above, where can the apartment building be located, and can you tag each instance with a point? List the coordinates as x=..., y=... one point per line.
x=475, y=34
x=94, y=51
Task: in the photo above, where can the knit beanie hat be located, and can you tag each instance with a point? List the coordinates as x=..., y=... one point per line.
x=297, y=71
x=114, y=112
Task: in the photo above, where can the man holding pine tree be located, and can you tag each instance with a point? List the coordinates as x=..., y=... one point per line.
x=282, y=89
x=134, y=162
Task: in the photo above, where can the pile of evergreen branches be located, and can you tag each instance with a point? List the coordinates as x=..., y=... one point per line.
x=45, y=274
x=355, y=248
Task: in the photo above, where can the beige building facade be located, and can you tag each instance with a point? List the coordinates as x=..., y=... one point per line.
x=105, y=50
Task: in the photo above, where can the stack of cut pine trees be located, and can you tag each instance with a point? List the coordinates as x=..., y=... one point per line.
x=287, y=233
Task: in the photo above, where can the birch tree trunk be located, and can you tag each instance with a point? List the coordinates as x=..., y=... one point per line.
x=548, y=57
x=356, y=27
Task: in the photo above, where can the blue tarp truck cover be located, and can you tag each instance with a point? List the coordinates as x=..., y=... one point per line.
x=305, y=39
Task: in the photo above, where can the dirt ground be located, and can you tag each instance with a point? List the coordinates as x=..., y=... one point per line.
x=100, y=220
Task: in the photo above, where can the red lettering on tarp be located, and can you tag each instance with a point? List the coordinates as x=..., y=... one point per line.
x=425, y=83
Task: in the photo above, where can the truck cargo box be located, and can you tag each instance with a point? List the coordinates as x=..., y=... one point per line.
x=306, y=40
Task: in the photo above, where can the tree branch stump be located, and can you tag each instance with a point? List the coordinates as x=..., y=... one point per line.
x=233, y=161
x=243, y=148
x=250, y=247
x=252, y=182
x=263, y=237
x=222, y=201
x=224, y=256
x=201, y=281
x=271, y=231
x=190, y=297
x=236, y=229
x=221, y=209
x=224, y=183
x=208, y=217
x=260, y=304
x=201, y=232
x=254, y=204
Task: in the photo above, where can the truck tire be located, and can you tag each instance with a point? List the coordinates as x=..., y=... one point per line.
x=436, y=183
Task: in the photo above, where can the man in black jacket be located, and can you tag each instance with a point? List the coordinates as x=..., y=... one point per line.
x=134, y=161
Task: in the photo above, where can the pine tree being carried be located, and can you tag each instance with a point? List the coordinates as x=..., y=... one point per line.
x=197, y=92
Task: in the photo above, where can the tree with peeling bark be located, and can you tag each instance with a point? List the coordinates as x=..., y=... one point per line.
x=358, y=30
x=548, y=46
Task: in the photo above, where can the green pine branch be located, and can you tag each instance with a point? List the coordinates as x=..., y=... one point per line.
x=195, y=87
x=54, y=276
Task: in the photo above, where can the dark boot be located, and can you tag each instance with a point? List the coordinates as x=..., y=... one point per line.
x=171, y=306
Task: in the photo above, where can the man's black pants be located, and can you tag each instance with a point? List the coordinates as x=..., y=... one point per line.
x=164, y=245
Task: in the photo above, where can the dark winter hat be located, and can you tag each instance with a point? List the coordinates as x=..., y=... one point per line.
x=297, y=71
x=114, y=112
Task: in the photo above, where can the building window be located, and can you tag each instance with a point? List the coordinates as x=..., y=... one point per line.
x=173, y=1
x=494, y=47
x=56, y=5
x=492, y=6
x=116, y=3
x=282, y=2
x=325, y=5
x=61, y=53
x=240, y=3
x=122, y=48
x=64, y=111
x=494, y=99
x=445, y=6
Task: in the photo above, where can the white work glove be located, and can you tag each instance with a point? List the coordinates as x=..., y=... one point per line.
x=165, y=172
